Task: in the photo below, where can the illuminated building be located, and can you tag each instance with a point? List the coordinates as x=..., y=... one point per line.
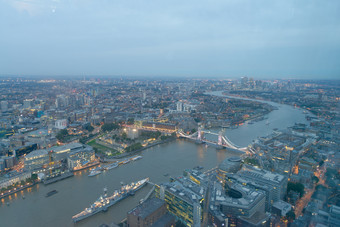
x=36, y=159
x=183, y=199
x=77, y=152
x=14, y=178
x=79, y=158
x=194, y=175
x=274, y=184
x=229, y=165
x=233, y=201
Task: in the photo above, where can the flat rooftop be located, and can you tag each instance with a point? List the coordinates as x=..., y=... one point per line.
x=148, y=207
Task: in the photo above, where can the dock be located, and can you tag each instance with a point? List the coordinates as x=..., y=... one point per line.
x=58, y=178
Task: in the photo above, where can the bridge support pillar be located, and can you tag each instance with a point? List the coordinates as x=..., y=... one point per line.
x=220, y=141
x=199, y=134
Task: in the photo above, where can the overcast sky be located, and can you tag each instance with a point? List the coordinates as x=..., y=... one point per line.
x=226, y=38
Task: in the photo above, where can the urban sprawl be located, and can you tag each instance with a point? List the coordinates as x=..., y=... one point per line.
x=52, y=128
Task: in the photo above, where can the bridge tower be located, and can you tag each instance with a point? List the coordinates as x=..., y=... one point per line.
x=220, y=141
x=199, y=134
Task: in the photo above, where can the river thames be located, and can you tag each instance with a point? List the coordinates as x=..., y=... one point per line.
x=78, y=192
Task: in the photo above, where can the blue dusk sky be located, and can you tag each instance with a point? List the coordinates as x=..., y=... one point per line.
x=191, y=38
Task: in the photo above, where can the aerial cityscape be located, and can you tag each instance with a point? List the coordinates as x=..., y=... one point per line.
x=233, y=152
x=193, y=113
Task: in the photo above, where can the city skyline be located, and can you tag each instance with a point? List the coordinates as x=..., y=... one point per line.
x=287, y=39
x=186, y=152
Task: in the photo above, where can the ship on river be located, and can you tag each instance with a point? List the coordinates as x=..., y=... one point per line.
x=105, y=201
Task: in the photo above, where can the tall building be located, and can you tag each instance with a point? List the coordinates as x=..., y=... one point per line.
x=28, y=103
x=36, y=159
x=80, y=157
x=4, y=106
x=61, y=101
x=229, y=165
x=60, y=124
x=234, y=200
x=183, y=201
x=179, y=106
x=334, y=216
x=77, y=153
x=274, y=184
x=152, y=212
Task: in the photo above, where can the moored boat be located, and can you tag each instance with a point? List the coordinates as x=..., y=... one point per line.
x=51, y=193
x=111, y=166
x=95, y=172
x=105, y=201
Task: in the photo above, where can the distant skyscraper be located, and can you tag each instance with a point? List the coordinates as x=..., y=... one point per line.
x=28, y=103
x=4, y=106
x=179, y=106
x=61, y=124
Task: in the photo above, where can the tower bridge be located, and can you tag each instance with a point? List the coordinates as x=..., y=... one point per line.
x=222, y=140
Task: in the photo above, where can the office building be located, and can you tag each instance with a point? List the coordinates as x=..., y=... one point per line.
x=276, y=183
x=4, y=106
x=36, y=159
x=80, y=157
x=152, y=212
x=13, y=178
x=229, y=165
x=182, y=200
x=28, y=103
x=60, y=124
x=179, y=106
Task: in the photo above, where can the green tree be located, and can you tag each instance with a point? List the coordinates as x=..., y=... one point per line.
x=88, y=127
x=179, y=224
x=321, y=162
x=110, y=126
x=34, y=177
x=83, y=139
x=297, y=187
x=315, y=179
x=290, y=216
x=62, y=134
x=134, y=147
x=130, y=121
x=251, y=161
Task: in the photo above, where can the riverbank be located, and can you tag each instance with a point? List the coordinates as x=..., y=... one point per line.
x=58, y=178
x=28, y=185
x=157, y=164
x=128, y=154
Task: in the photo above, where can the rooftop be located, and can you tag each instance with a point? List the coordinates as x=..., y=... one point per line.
x=36, y=154
x=164, y=220
x=70, y=146
x=261, y=174
x=281, y=205
x=148, y=207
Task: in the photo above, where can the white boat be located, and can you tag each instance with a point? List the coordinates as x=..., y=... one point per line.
x=136, y=158
x=126, y=161
x=111, y=166
x=95, y=172
x=105, y=201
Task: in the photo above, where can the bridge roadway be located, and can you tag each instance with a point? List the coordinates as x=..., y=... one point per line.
x=225, y=142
